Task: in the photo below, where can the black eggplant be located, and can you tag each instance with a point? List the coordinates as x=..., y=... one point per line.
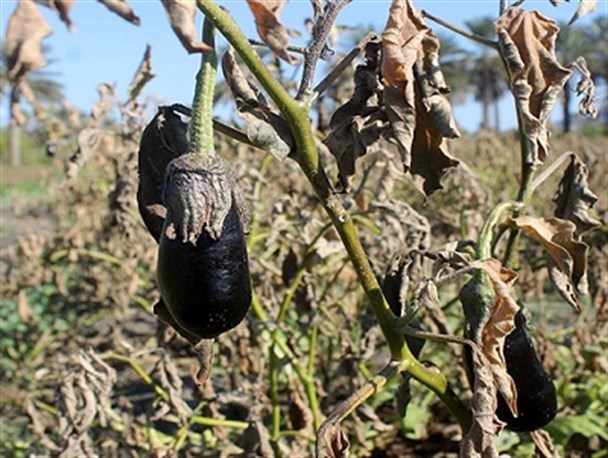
x=203, y=272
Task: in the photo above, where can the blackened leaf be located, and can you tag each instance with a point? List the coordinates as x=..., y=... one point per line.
x=63, y=8
x=584, y=8
x=23, y=44
x=266, y=15
x=264, y=127
x=414, y=96
x=527, y=43
x=181, y=17
x=142, y=76
x=585, y=88
x=121, y=8
x=574, y=200
x=568, y=256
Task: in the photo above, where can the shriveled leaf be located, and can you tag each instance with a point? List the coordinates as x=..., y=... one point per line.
x=181, y=18
x=585, y=89
x=63, y=8
x=299, y=414
x=543, y=444
x=584, y=8
x=568, y=256
x=264, y=127
x=266, y=15
x=121, y=8
x=574, y=199
x=414, y=96
x=527, y=43
x=23, y=44
x=142, y=76
x=102, y=106
x=204, y=353
x=171, y=382
x=332, y=442
x=24, y=311
x=480, y=441
x=255, y=440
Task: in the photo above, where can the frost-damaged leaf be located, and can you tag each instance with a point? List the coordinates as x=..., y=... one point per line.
x=568, y=257
x=480, y=441
x=543, y=444
x=527, y=43
x=122, y=8
x=263, y=126
x=266, y=15
x=181, y=18
x=332, y=442
x=584, y=8
x=586, y=88
x=499, y=324
x=574, y=200
x=63, y=8
x=414, y=96
x=357, y=126
x=142, y=76
x=23, y=43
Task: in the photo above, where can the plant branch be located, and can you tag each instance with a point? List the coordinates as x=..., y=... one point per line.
x=295, y=49
x=550, y=170
x=471, y=36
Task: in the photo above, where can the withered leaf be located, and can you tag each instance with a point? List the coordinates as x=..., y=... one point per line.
x=266, y=15
x=121, y=8
x=332, y=442
x=63, y=8
x=585, y=88
x=568, y=256
x=414, y=96
x=543, y=444
x=23, y=44
x=527, y=43
x=255, y=440
x=264, y=127
x=181, y=18
x=171, y=382
x=584, y=8
x=574, y=199
x=142, y=76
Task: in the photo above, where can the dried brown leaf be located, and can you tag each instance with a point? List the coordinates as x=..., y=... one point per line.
x=568, y=256
x=584, y=8
x=25, y=31
x=24, y=311
x=332, y=442
x=143, y=75
x=181, y=18
x=574, y=199
x=543, y=444
x=171, y=382
x=255, y=440
x=263, y=126
x=527, y=43
x=121, y=8
x=63, y=8
x=266, y=15
x=585, y=88
x=414, y=96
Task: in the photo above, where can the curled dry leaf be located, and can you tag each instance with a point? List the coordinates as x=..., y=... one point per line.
x=585, y=88
x=264, y=127
x=527, y=43
x=332, y=442
x=574, y=199
x=23, y=43
x=142, y=76
x=255, y=440
x=567, y=256
x=266, y=15
x=181, y=18
x=543, y=444
x=63, y=8
x=171, y=382
x=122, y=8
x=584, y=8
x=414, y=96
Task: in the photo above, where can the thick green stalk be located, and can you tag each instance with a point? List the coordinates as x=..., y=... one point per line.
x=201, y=129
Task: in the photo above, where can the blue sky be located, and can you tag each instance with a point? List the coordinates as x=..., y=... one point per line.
x=105, y=48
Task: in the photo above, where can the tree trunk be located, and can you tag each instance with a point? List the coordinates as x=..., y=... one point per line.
x=566, y=107
x=496, y=115
x=485, y=99
x=14, y=133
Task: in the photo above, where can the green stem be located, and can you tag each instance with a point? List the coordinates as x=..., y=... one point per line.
x=484, y=243
x=201, y=133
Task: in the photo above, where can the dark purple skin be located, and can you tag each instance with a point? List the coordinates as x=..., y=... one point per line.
x=206, y=286
x=536, y=396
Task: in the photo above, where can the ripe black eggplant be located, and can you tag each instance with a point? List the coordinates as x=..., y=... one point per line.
x=536, y=395
x=203, y=272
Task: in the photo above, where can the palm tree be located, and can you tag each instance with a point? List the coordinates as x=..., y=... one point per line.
x=43, y=87
x=487, y=76
x=455, y=62
x=572, y=42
